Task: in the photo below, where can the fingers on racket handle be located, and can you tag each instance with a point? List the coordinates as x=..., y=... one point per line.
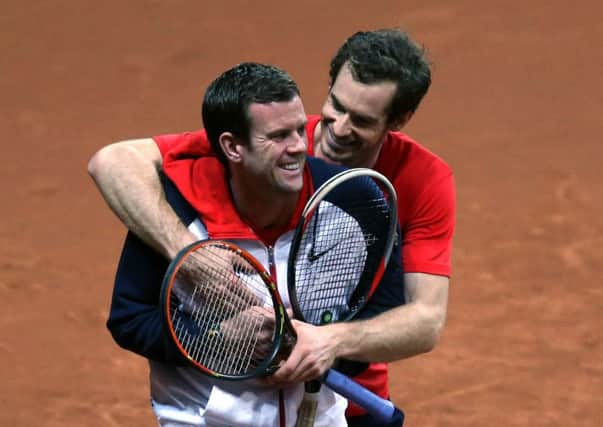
x=382, y=409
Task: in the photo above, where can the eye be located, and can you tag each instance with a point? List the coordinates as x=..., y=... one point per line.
x=301, y=131
x=363, y=121
x=279, y=136
x=360, y=122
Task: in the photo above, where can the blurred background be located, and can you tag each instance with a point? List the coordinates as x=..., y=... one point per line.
x=515, y=108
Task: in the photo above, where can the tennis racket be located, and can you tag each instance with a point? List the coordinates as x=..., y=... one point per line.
x=339, y=253
x=225, y=315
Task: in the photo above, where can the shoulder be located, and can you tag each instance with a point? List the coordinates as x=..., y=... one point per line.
x=189, y=136
x=410, y=166
x=184, y=141
x=400, y=153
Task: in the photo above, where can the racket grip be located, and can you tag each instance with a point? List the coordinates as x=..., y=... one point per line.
x=307, y=410
x=382, y=409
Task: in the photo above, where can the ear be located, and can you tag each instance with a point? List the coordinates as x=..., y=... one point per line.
x=231, y=147
x=401, y=122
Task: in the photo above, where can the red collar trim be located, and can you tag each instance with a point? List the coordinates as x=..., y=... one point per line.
x=204, y=184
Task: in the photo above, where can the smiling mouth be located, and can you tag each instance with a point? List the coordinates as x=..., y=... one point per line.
x=337, y=145
x=291, y=166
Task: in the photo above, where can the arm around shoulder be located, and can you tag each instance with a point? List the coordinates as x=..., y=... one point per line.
x=401, y=332
x=135, y=155
x=126, y=174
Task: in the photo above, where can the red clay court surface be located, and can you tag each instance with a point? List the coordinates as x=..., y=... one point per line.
x=515, y=108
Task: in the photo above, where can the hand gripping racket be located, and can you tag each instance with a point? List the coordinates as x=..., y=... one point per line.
x=341, y=247
x=225, y=315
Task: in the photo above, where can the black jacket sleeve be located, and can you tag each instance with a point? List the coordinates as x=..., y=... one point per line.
x=135, y=320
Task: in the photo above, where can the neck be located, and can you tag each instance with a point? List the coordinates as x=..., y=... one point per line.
x=262, y=208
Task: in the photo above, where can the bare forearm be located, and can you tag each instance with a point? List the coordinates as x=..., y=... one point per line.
x=397, y=334
x=126, y=174
x=402, y=332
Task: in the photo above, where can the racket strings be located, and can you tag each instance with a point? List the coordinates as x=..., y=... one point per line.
x=325, y=283
x=341, y=250
x=221, y=317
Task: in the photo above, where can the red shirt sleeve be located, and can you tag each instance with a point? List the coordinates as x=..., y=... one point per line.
x=183, y=145
x=424, y=184
x=428, y=233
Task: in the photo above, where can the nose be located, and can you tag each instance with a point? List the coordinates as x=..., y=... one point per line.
x=298, y=143
x=342, y=126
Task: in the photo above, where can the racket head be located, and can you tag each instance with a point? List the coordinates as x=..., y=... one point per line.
x=223, y=311
x=341, y=246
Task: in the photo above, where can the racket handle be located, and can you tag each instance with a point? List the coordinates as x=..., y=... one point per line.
x=307, y=410
x=382, y=409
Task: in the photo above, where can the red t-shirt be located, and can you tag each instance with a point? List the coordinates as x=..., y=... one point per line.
x=424, y=184
x=426, y=200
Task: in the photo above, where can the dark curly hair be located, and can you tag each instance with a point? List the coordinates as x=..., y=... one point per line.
x=387, y=55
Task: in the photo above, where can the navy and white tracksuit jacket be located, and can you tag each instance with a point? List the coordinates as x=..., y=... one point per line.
x=180, y=393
